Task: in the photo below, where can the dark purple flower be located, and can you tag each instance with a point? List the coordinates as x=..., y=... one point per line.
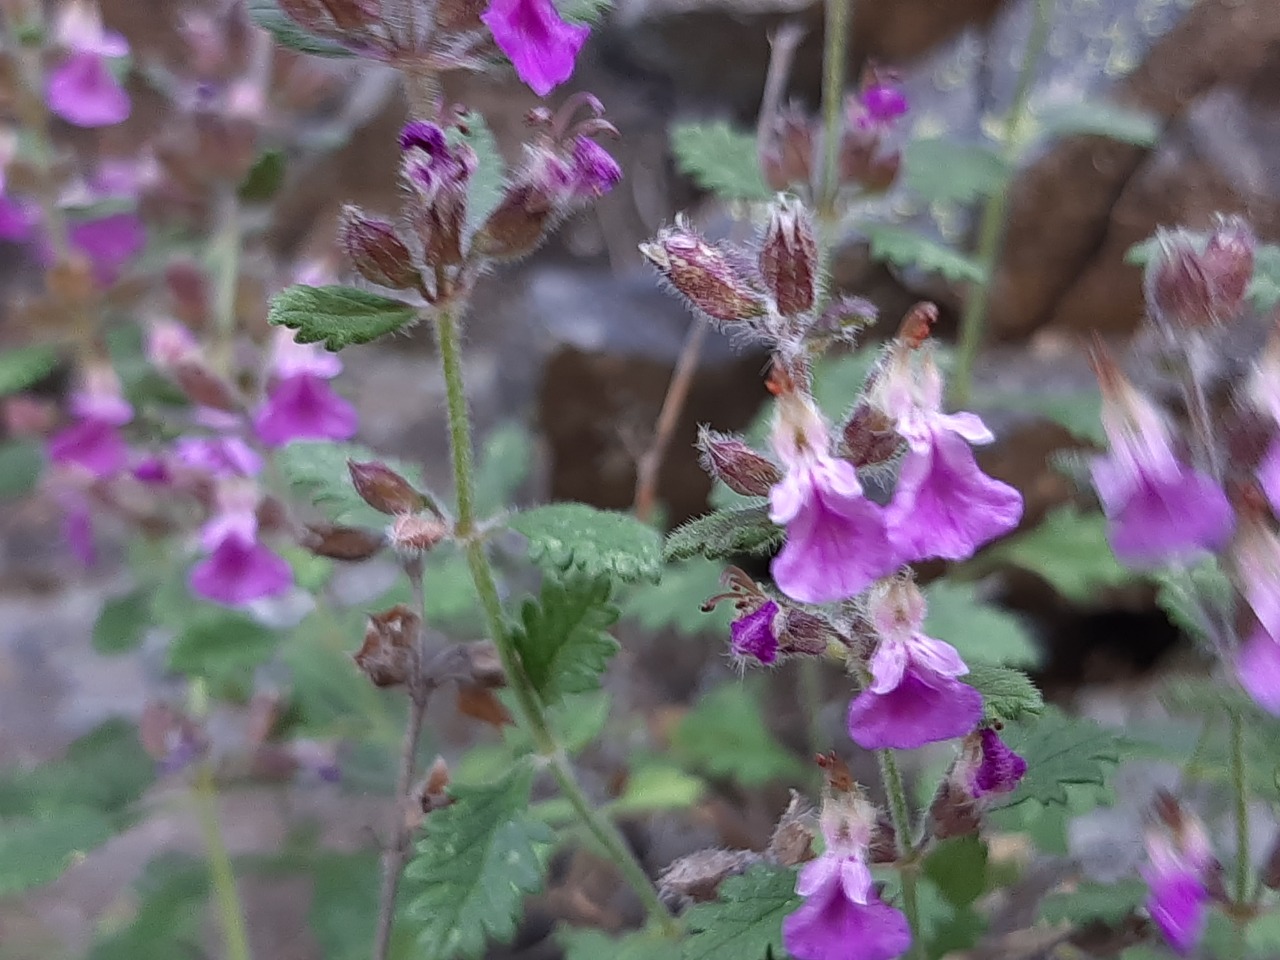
x=152, y=470
x=109, y=242
x=538, y=42
x=1000, y=770
x=422, y=135
x=882, y=104
x=752, y=634
x=239, y=571
x=595, y=172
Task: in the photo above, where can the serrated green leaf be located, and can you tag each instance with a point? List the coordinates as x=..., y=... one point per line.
x=598, y=543
x=1070, y=550
x=481, y=856
x=25, y=366
x=981, y=632
x=906, y=248
x=264, y=178
x=1092, y=902
x=675, y=602
x=1007, y=694
x=958, y=867
x=1059, y=751
x=122, y=623
x=221, y=645
x=504, y=465
x=1110, y=120
x=594, y=945
x=338, y=317
x=723, y=534
x=725, y=735
x=561, y=638
x=1186, y=594
x=746, y=922
x=268, y=15
x=168, y=918
x=487, y=180
x=318, y=470
x=720, y=159
x=37, y=850
x=21, y=464
x=943, y=171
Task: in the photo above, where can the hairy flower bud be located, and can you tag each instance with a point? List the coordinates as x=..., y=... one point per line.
x=791, y=843
x=789, y=257
x=1228, y=262
x=342, y=543
x=376, y=250
x=384, y=489
x=437, y=174
x=1190, y=287
x=416, y=533
x=705, y=275
x=696, y=877
x=787, y=150
x=803, y=633
x=869, y=438
x=518, y=224
x=389, y=654
x=729, y=459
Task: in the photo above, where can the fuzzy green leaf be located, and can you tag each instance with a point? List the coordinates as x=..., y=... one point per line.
x=221, y=645
x=168, y=920
x=318, y=470
x=657, y=786
x=720, y=159
x=1059, y=751
x=1111, y=120
x=981, y=632
x=585, y=944
x=724, y=533
x=122, y=623
x=1093, y=902
x=746, y=922
x=25, y=366
x=945, y=171
x=561, y=638
x=37, y=850
x=906, y=248
x=675, y=601
x=338, y=316
x=958, y=867
x=265, y=177
x=1007, y=694
x=268, y=15
x=21, y=464
x=598, y=543
x=1186, y=593
x=1070, y=550
x=725, y=735
x=481, y=856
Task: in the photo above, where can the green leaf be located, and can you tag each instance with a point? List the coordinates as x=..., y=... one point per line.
x=338, y=316
x=1264, y=289
x=122, y=623
x=488, y=179
x=1111, y=120
x=25, y=367
x=481, y=856
x=344, y=904
x=725, y=735
x=657, y=786
x=720, y=159
x=586, y=944
x=746, y=922
x=1186, y=593
x=675, y=602
x=958, y=867
x=724, y=533
x=221, y=645
x=504, y=465
x=583, y=11
x=318, y=470
x=1070, y=550
x=981, y=632
x=268, y=15
x=561, y=638
x=1059, y=751
x=37, y=850
x=1007, y=694
x=21, y=464
x=943, y=171
x=598, y=543
x=264, y=178
x=168, y=918
x=906, y=248
x=1079, y=412
x=1092, y=902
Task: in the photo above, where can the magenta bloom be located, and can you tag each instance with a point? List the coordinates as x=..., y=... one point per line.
x=1269, y=475
x=82, y=89
x=837, y=541
x=238, y=572
x=17, y=222
x=109, y=242
x=882, y=104
x=1257, y=664
x=1000, y=770
x=77, y=528
x=752, y=635
x=300, y=404
x=1257, y=661
x=1178, y=897
x=914, y=697
x=94, y=446
x=218, y=456
x=595, y=172
x=540, y=45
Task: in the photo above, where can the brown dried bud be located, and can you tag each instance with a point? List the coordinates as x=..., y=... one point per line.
x=518, y=225
x=432, y=791
x=384, y=489
x=459, y=15
x=188, y=292
x=484, y=666
x=954, y=813
x=696, y=878
x=389, y=654
x=867, y=161
x=1228, y=263
x=792, y=841
x=869, y=438
x=416, y=532
x=884, y=840
x=438, y=175
x=786, y=155
x=1189, y=288
x=803, y=633
x=480, y=703
x=705, y=275
x=789, y=257
x=376, y=250
x=729, y=459
x=342, y=543
x=203, y=387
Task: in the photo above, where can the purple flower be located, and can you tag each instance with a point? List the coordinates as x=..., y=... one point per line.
x=77, y=528
x=109, y=242
x=1257, y=660
x=842, y=917
x=1179, y=858
x=540, y=45
x=944, y=505
x=227, y=456
x=300, y=404
x=999, y=771
x=82, y=89
x=837, y=540
x=238, y=569
x=752, y=634
x=17, y=221
x=1269, y=475
x=914, y=697
x=1257, y=664
x=595, y=172
x=882, y=104
x=92, y=443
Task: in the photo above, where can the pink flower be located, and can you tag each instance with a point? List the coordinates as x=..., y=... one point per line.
x=92, y=443
x=227, y=456
x=837, y=540
x=595, y=172
x=239, y=569
x=914, y=697
x=17, y=221
x=300, y=404
x=1257, y=660
x=752, y=634
x=1265, y=387
x=882, y=104
x=944, y=505
x=540, y=45
x=999, y=771
x=1257, y=664
x=1179, y=861
x=82, y=90
x=109, y=242
x=842, y=917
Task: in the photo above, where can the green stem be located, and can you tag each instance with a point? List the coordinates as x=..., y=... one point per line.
x=1240, y=787
x=529, y=710
x=230, y=910
x=834, y=56
x=810, y=683
x=994, y=211
x=901, y=815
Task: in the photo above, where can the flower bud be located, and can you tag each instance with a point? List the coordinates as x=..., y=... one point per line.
x=517, y=225
x=432, y=791
x=803, y=633
x=787, y=150
x=789, y=257
x=376, y=250
x=954, y=812
x=704, y=275
x=342, y=543
x=845, y=318
x=1228, y=262
x=696, y=877
x=1187, y=287
x=412, y=533
x=792, y=841
x=729, y=459
x=438, y=175
x=869, y=438
x=384, y=489
x=481, y=703
x=203, y=387
x=389, y=654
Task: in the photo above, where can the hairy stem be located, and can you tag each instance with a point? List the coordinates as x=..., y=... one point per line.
x=230, y=910
x=994, y=211
x=902, y=831
x=650, y=463
x=834, y=56
x=529, y=711
x=1240, y=787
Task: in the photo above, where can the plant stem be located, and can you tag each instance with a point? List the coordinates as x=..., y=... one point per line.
x=994, y=211
x=834, y=55
x=529, y=711
x=1240, y=787
x=224, y=255
x=230, y=910
x=901, y=815
x=810, y=683
x=650, y=463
